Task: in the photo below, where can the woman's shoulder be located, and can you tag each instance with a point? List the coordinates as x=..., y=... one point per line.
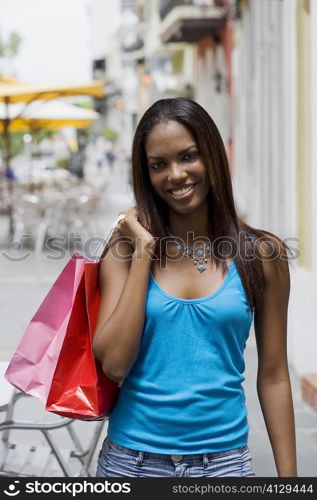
x=274, y=256
x=117, y=247
x=264, y=239
x=268, y=248
x=115, y=262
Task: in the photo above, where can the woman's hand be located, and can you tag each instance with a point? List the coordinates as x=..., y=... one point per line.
x=130, y=227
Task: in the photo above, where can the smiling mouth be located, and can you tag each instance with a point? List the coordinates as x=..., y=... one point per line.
x=183, y=192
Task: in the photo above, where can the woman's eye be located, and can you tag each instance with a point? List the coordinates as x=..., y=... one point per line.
x=188, y=157
x=155, y=166
x=191, y=156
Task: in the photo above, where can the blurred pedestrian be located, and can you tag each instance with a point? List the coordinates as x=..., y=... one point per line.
x=110, y=154
x=99, y=152
x=180, y=288
x=8, y=173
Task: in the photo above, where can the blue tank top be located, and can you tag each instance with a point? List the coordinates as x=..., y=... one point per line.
x=184, y=393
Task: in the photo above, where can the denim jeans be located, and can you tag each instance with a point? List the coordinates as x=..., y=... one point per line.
x=117, y=461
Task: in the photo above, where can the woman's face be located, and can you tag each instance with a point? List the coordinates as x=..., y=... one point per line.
x=176, y=170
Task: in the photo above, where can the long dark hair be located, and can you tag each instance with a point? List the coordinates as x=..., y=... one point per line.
x=225, y=226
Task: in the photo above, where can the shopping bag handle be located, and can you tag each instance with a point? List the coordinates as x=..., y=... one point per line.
x=106, y=239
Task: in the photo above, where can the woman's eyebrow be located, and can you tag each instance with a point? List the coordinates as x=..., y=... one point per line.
x=179, y=153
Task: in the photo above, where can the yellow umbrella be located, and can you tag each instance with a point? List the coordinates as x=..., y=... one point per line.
x=23, y=92
x=51, y=115
x=27, y=124
x=8, y=79
x=12, y=92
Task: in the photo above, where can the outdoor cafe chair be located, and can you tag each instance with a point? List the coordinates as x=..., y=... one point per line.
x=28, y=216
x=30, y=457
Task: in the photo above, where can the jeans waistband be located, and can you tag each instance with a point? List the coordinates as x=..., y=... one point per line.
x=176, y=457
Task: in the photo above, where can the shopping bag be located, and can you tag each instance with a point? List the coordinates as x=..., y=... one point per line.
x=54, y=361
x=79, y=389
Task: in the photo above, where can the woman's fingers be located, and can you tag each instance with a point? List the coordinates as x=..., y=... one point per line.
x=128, y=211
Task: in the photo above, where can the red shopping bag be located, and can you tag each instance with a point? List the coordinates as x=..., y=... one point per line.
x=54, y=360
x=79, y=389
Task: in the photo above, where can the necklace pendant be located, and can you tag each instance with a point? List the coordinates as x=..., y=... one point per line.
x=199, y=255
x=201, y=268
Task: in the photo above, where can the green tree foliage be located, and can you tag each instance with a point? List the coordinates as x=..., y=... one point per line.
x=110, y=134
x=16, y=140
x=10, y=46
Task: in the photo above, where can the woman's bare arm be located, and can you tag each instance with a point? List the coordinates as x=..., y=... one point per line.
x=124, y=274
x=273, y=381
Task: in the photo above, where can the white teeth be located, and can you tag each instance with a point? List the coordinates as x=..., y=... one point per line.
x=184, y=190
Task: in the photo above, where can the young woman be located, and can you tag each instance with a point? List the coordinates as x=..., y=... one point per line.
x=181, y=283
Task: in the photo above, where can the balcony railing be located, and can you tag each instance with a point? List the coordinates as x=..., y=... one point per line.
x=191, y=20
x=167, y=5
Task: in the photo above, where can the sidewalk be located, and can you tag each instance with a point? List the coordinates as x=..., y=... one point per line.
x=23, y=286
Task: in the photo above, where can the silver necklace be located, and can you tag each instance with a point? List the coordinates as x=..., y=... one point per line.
x=200, y=254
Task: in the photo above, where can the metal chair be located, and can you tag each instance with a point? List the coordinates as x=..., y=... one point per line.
x=18, y=458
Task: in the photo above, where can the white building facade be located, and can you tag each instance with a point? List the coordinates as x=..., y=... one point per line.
x=275, y=69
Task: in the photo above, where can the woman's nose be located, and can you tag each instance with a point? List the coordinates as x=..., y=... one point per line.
x=176, y=171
